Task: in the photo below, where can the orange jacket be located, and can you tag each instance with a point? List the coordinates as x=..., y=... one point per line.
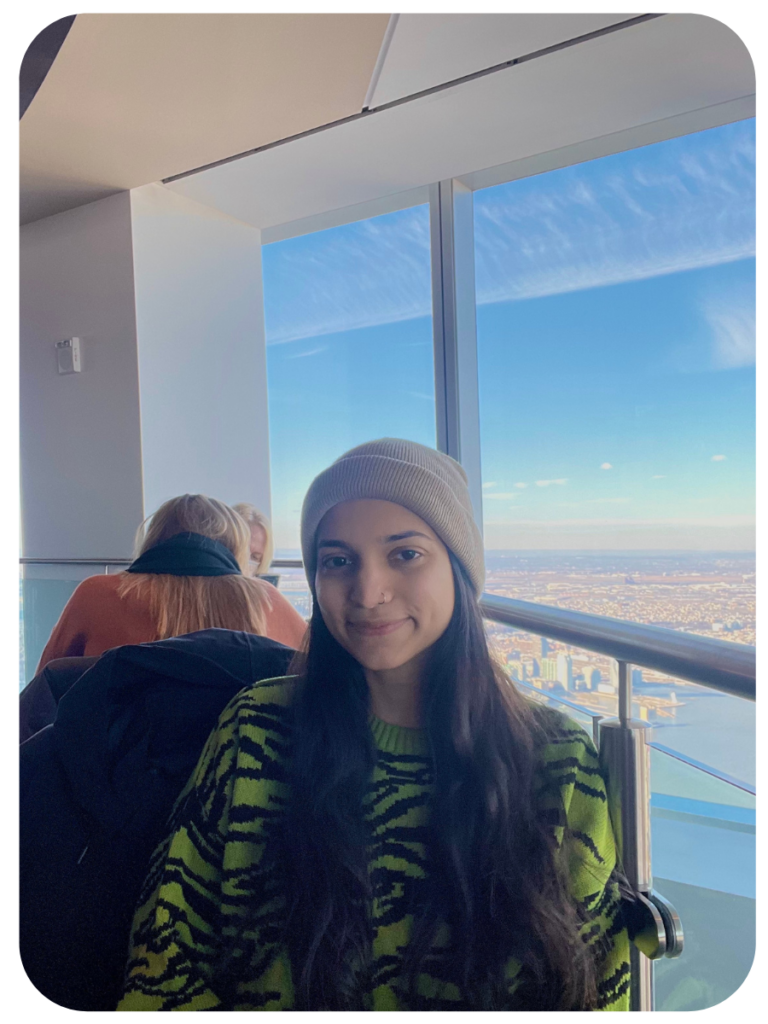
x=96, y=618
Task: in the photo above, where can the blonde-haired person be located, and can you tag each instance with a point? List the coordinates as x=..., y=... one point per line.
x=190, y=572
x=261, y=546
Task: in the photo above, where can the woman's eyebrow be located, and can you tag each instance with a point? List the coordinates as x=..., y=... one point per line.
x=404, y=536
x=332, y=543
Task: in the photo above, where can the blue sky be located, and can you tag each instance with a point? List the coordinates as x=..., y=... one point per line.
x=616, y=344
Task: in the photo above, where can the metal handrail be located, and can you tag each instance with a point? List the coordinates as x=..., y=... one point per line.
x=706, y=768
x=716, y=664
x=277, y=563
x=596, y=717
x=75, y=561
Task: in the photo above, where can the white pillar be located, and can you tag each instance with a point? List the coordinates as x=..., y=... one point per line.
x=201, y=351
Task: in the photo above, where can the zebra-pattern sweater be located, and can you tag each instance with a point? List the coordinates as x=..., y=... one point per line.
x=206, y=873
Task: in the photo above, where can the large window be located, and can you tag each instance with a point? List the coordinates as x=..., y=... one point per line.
x=349, y=349
x=616, y=361
x=616, y=348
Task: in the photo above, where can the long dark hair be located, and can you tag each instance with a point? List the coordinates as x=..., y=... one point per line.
x=495, y=876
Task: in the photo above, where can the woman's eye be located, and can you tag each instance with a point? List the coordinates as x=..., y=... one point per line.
x=409, y=555
x=335, y=562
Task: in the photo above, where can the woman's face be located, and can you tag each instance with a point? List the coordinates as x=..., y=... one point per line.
x=258, y=543
x=384, y=582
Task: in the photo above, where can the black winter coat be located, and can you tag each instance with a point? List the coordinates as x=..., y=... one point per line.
x=97, y=787
x=39, y=700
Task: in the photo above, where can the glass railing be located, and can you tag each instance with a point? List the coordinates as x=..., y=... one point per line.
x=700, y=817
x=293, y=584
x=703, y=856
x=45, y=587
x=703, y=849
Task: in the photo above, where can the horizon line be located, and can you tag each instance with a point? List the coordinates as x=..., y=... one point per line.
x=594, y=551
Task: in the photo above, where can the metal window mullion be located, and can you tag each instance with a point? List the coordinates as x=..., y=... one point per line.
x=439, y=304
x=455, y=336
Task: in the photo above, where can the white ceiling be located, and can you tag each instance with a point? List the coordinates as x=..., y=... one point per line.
x=132, y=99
x=426, y=50
x=657, y=69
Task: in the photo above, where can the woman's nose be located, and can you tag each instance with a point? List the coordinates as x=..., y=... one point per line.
x=370, y=587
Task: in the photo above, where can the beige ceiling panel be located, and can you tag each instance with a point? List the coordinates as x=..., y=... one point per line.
x=659, y=69
x=428, y=49
x=132, y=98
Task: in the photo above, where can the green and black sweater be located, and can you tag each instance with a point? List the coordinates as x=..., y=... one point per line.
x=200, y=878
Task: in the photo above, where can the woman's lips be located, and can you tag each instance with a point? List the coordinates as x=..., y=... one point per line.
x=377, y=629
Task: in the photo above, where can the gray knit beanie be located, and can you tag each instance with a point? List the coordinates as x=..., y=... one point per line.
x=427, y=482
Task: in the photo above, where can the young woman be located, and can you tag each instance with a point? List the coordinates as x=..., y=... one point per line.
x=394, y=827
x=190, y=573
x=261, y=546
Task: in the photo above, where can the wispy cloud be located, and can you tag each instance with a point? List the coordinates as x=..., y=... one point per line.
x=311, y=352
x=659, y=476
x=606, y=465
x=372, y=272
x=687, y=203
x=731, y=320
x=718, y=458
x=727, y=339
x=422, y=395
x=489, y=484
x=501, y=495
x=521, y=485
x=548, y=483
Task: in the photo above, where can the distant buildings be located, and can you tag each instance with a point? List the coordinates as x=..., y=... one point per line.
x=592, y=677
x=699, y=594
x=564, y=671
x=549, y=669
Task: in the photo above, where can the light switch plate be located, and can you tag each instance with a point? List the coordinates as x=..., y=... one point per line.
x=68, y=355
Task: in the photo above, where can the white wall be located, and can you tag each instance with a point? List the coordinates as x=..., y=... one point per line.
x=80, y=441
x=201, y=350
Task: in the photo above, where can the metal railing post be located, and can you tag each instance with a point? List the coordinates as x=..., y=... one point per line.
x=625, y=757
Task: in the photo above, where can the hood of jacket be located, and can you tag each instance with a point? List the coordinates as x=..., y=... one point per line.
x=129, y=732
